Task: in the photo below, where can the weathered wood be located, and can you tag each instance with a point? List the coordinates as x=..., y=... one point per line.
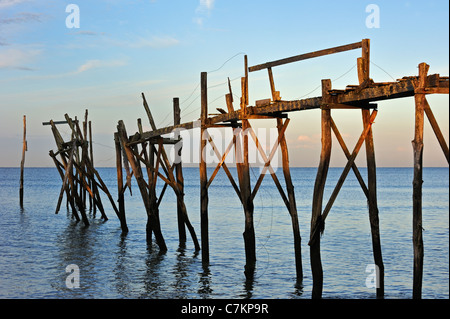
x=348, y=165
x=268, y=166
x=120, y=188
x=70, y=201
x=305, y=56
x=348, y=155
x=179, y=174
x=417, y=144
x=436, y=129
x=292, y=204
x=272, y=84
x=153, y=218
x=22, y=162
x=267, y=163
x=373, y=206
x=243, y=170
x=319, y=186
x=222, y=164
x=203, y=172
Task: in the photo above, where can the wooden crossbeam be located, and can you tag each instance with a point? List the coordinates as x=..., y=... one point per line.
x=271, y=170
x=342, y=48
x=267, y=163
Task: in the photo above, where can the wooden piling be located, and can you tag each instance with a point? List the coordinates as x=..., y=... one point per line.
x=247, y=201
x=292, y=203
x=319, y=186
x=203, y=172
x=120, y=188
x=373, y=206
x=179, y=174
x=22, y=163
x=417, y=144
x=153, y=224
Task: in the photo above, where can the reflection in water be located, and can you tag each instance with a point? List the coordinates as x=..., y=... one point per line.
x=205, y=289
x=122, y=281
x=153, y=283
x=76, y=246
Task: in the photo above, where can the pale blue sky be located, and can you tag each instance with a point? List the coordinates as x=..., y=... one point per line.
x=125, y=47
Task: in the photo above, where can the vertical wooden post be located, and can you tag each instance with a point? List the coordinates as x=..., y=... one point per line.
x=22, y=163
x=319, y=186
x=292, y=203
x=179, y=174
x=417, y=144
x=203, y=172
x=364, y=77
x=120, y=189
x=244, y=184
x=373, y=206
x=247, y=201
x=91, y=157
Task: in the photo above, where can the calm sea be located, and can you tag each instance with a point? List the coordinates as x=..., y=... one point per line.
x=36, y=245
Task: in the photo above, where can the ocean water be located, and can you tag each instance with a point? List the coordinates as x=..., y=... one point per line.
x=36, y=245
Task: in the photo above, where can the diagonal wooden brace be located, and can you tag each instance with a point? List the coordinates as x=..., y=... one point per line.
x=344, y=174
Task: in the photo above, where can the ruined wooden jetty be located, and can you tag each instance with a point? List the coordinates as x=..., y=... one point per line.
x=143, y=155
x=360, y=96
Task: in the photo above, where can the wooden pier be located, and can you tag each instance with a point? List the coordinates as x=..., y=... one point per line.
x=144, y=152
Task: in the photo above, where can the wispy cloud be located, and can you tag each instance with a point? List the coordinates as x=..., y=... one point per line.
x=14, y=58
x=203, y=10
x=93, y=64
x=205, y=6
x=10, y=3
x=22, y=17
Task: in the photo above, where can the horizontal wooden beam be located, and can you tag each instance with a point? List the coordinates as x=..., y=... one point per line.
x=59, y=122
x=305, y=56
x=351, y=99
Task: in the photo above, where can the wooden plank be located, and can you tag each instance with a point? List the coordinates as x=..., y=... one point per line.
x=305, y=56
x=263, y=102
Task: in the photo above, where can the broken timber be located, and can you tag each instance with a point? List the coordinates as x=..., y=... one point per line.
x=78, y=173
x=153, y=156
